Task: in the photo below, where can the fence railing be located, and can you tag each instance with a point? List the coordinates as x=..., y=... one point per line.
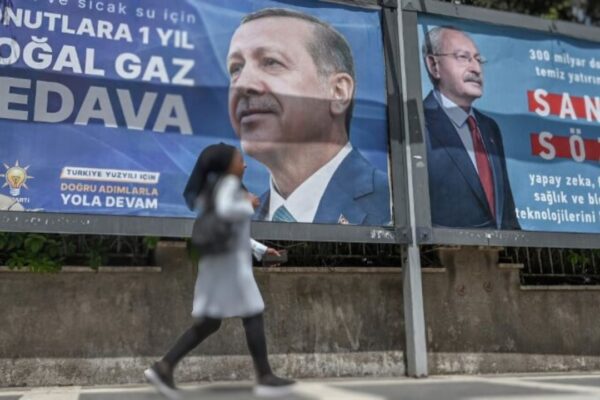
x=552, y=266
x=317, y=254
x=541, y=266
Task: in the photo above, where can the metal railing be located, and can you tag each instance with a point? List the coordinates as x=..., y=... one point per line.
x=552, y=266
x=318, y=254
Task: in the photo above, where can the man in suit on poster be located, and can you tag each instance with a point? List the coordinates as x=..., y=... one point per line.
x=468, y=179
x=292, y=84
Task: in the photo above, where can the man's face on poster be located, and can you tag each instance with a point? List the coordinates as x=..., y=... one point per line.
x=277, y=95
x=457, y=69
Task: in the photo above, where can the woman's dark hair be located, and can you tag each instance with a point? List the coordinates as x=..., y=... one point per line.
x=212, y=164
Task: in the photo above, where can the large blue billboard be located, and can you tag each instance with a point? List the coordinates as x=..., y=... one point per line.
x=512, y=127
x=105, y=106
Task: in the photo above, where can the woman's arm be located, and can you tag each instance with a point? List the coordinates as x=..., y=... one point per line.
x=231, y=202
x=258, y=249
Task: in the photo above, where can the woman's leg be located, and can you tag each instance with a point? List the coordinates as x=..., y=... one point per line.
x=257, y=344
x=268, y=384
x=190, y=340
x=161, y=373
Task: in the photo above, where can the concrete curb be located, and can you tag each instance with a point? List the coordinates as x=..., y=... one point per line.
x=509, y=363
x=30, y=372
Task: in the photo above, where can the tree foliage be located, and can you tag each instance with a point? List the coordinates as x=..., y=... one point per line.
x=581, y=11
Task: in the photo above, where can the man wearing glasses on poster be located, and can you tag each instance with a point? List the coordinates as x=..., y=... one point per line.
x=468, y=180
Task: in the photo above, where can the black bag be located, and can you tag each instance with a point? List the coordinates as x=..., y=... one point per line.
x=212, y=234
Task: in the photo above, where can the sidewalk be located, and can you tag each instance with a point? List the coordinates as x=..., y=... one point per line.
x=527, y=387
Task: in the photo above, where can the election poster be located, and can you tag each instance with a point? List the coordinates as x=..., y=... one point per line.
x=512, y=127
x=106, y=105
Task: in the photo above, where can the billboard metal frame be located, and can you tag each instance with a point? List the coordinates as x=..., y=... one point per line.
x=425, y=232
x=407, y=167
x=397, y=233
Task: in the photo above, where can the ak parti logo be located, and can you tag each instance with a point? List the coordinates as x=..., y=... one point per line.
x=16, y=178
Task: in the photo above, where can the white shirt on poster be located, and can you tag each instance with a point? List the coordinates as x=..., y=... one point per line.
x=303, y=203
x=458, y=116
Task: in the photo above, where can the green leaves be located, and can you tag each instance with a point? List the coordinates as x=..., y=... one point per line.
x=48, y=253
x=96, y=251
x=150, y=242
x=36, y=252
x=35, y=243
x=580, y=11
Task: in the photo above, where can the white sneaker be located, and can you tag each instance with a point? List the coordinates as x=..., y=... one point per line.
x=272, y=386
x=162, y=382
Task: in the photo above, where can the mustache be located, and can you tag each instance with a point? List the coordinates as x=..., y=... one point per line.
x=474, y=78
x=256, y=104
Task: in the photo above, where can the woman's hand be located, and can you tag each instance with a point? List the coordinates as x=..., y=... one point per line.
x=254, y=200
x=275, y=253
x=272, y=252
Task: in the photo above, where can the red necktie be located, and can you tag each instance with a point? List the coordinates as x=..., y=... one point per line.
x=483, y=164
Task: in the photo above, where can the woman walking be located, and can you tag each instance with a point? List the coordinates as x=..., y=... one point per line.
x=225, y=286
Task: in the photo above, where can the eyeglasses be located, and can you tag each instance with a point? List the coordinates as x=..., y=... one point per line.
x=464, y=57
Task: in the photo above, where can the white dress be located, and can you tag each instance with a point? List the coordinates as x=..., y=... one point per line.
x=225, y=286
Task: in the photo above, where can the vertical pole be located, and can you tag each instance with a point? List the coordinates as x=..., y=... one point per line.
x=414, y=314
x=414, y=317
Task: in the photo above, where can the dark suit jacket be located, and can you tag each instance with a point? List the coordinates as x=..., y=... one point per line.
x=457, y=196
x=358, y=193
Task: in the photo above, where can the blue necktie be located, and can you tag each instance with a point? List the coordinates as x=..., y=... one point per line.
x=283, y=215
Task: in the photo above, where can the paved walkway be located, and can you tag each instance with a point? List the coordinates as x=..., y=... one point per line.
x=527, y=387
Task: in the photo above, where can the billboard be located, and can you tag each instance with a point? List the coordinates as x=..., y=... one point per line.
x=512, y=127
x=104, y=106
